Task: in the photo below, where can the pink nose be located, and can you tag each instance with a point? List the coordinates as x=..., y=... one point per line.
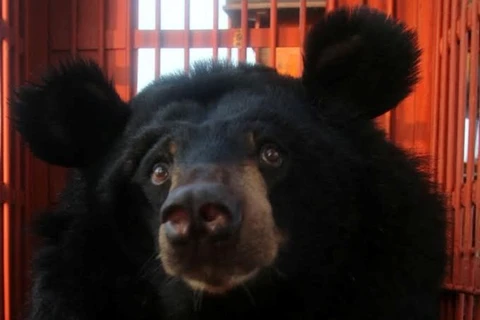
x=200, y=210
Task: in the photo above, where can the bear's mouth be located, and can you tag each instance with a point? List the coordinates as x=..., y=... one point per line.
x=215, y=269
x=218, y=282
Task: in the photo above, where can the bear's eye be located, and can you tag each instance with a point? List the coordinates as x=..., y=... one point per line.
x=271, y=155
x=160, y=174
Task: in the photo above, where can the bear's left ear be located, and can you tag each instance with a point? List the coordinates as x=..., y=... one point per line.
x=71, y=116
x=363, y=57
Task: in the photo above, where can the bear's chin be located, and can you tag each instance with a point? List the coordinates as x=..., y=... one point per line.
x=219, y=283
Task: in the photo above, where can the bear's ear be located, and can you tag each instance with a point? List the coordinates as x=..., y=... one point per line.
x=363, y=57
x=71, y=116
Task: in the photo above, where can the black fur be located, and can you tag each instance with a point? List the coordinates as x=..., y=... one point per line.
x=71, y=116
x=366, y=230
x=358, y=56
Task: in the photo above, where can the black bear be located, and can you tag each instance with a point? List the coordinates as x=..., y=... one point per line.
x=232, y=191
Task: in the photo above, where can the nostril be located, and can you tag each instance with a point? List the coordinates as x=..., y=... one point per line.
x=177, y=224
x=215, y=217
x=176, y=215
x=211, y=212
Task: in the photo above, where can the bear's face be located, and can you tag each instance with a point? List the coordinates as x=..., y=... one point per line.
x=208, y=174
x=215, y=162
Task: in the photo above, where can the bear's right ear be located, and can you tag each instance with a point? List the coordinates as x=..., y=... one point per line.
x=71, y=116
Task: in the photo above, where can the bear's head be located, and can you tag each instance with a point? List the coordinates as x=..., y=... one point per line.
x=235, y=175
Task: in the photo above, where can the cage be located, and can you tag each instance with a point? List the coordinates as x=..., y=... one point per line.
x=133, y=42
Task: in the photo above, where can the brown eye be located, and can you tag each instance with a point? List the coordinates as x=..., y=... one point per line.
x=271, y=156
x=160, y=174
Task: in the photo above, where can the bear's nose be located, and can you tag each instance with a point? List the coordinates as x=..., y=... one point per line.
x=197, y=210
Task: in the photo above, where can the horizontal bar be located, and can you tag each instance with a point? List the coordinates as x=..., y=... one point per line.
x=468, y=25
x=257, y=38
x=462, y=289
x=294, y=4
x=472, y=252
x=449, y=45
x=3, y=193
x=288, y=36
x=5, y=32
x=15, y=196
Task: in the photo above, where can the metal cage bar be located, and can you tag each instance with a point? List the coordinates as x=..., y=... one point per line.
x=6, y=164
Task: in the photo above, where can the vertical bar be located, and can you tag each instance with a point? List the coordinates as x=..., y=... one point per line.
x=452, y=96
x=6, y=173
x=384, y=120
x=131, y=11
x=469, y=307
x=302, y=18
x=101, y=33
x=242, y=52
x=378, y=4
x=330, y=5
x=443, y=128
x=18, y=223
x=73, y=35
x=215, y=29
x=388, y=114
x=390, y=6
x=302, y=25
x=273, y=33
x=449, y=308
x=443, y=95
x=436, y=92
x=477, y=309
x=257, y=49
x=3, y=199
x=452, y=117
x=460, y=307
x=158, y=34
x=460, y=134
x=186, y=43
x=473, y=101
x=229, y=49
x=28, y=156
x=472, y=116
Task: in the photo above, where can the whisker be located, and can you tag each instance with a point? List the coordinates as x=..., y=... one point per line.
x=144, y=268
x=197, y=300
x=170, y=280
x=249, y=294
x=280, y=273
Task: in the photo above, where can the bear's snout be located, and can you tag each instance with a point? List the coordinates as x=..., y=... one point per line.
x=217, y=228
x=201, y=210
